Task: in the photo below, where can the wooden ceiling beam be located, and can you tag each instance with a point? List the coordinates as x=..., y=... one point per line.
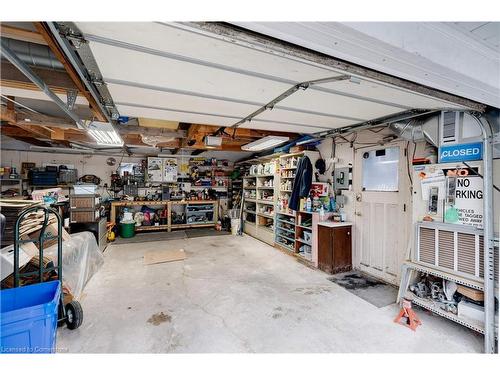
x=32, y=141
x=57, y=80
x=132, y=129
x=7, y=114
x=21, y=34
x=37, y=131
x=58, y=52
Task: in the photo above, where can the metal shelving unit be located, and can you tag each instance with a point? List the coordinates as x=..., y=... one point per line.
x=408, y=273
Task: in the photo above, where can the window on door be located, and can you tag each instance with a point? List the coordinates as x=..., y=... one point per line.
x=380, y=170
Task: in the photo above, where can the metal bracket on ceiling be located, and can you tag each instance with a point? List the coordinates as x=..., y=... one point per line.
x=77, y=50
x=71, y=96
x=385, y=120
x=299, y=86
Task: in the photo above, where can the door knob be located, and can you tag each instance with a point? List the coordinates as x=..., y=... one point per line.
x=357, y=213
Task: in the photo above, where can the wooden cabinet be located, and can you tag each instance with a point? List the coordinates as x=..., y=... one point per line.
x=334, y=248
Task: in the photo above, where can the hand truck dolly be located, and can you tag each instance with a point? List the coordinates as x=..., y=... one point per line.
x=71, y=313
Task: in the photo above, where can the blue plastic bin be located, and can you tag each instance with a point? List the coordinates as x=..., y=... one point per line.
x=28, y=318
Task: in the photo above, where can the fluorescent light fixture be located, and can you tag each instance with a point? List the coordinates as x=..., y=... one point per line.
x=104, y=134
x=264, y=143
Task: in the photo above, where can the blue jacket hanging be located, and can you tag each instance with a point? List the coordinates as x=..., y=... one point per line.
x=302, y=182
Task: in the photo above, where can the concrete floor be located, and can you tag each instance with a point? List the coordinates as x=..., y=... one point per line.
x=237, y=294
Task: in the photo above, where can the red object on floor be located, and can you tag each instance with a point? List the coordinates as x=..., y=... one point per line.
x=411, y=319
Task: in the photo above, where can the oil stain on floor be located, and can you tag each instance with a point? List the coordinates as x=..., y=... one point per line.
x=159, y=318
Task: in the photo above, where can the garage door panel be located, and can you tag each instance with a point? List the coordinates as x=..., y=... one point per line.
x=171, y=39
x=209, y=119
x=306, y=118
x=174, y=116
x=152, y=70
x=317, y=101
x=260, y=125
x=152, y=98
x=380, y=92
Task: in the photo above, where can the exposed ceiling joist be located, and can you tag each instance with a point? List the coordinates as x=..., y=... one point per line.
x=58, y=81
x=129, y=129
x=21, y=34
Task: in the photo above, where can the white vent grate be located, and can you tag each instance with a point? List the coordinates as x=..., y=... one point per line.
x=449, y=127
x=446, y=246
x=427, y=253
x=466, y=245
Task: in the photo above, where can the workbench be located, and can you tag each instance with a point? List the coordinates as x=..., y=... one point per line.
x=168, y=204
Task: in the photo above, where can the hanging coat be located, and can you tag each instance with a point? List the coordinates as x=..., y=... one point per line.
x=302, y=182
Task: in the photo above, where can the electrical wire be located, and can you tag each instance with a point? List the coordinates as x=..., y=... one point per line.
x=408, y=160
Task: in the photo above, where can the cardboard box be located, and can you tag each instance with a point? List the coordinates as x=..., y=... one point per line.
x=26, y=252
x=473, y=294
x=470, y=310
x=50, y=231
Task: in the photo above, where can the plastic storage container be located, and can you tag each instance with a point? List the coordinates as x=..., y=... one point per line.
x=127, y=229
x=29, y=318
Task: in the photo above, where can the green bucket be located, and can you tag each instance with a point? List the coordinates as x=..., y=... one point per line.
x=127, y=229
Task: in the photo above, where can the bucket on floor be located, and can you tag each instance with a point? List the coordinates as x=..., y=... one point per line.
x=235, y=226
x=127, y=229
x=233, y=213
x=29, y=318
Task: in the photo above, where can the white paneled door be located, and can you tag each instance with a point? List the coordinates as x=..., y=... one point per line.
x=382, y=195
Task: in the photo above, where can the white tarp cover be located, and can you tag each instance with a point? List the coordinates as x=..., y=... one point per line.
x=81, y=260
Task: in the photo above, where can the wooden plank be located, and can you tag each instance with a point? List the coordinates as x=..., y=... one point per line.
x=128, y=129
x=55, y=79
x=7, y=115
x=21, y=34
x=164, y=255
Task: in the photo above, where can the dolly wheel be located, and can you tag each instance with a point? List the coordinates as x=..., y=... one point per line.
x=74, y=315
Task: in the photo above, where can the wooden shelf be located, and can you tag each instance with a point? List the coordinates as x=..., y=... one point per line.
x=303, y=226
x=286, y=221
x=263, y=227
x=270, y=202
x=285, y=237
x=266, y=187
x=265, y=215
x=303, y=242
x=286, y=230
x=150, y=227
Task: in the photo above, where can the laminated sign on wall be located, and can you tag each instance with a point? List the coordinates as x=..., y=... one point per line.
x=169, y=169
x=469, y=201
x=155, y=169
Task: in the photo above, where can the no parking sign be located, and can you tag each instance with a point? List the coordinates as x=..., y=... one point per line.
x=469, y=201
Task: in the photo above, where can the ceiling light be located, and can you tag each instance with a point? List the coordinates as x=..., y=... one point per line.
x=212, y=141
x=104, y=134
x=264, y=143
